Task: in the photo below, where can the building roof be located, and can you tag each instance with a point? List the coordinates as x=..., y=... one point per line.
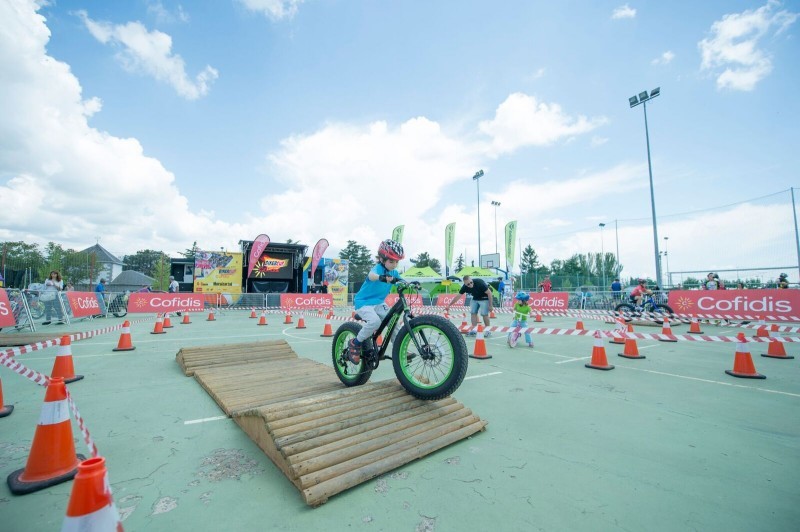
x=132, y=278
x=102, y=254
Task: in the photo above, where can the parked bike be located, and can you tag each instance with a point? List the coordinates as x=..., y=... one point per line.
x=119, y=305
x=429, y=354
x=648, y=306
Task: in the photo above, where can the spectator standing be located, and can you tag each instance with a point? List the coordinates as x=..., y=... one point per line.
x=174, y=288
x=501, y=290
x=783, y=281
x=546, y=285
x=101, y=287
x=616, y=289
x=52, y=306
x=712, y=282
x=481, y=301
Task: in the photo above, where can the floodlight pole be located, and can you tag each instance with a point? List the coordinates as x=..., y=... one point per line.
x=796, y=238
x=602, y=255
x=496, y=204
x=654, y=93
x=477, y=179
x=616, y=238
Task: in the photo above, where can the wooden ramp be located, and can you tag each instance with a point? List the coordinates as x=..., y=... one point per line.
x=28, y=338
x=325, y=437
x=194, y=358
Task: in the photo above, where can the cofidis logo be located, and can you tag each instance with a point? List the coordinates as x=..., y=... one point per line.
x=781, y=302
x=289, y=301
x=549, y=300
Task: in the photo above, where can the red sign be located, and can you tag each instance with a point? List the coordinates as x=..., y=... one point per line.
x=445, y=299
x=309, y=301
x=774, y=303
x=6, y=315
x=85, y=304
x=548, y=300
x=144, y=302
x=414, y=300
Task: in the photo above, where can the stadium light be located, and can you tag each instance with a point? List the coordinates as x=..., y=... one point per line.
x=496, y=205
x=602, y=255
x=634, y=101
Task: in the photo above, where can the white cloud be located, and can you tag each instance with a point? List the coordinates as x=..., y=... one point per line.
x=732, y=52
x=664, y=59
x=624, y=11
x=164, y=15
x=273, y=9
x=150, y=53
x=598, y=141
x=523, y=121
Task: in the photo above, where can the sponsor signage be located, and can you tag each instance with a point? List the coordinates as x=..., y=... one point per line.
x=271, y=265
x=414, y=300
x=83, y=304
x=309, y=301
x=778, y=303
x=144, y=302
x=6, y=315
x=548, y=300
x=445, y=299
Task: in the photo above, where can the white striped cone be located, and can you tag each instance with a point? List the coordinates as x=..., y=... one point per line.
x=62, y=366
x=91, y=507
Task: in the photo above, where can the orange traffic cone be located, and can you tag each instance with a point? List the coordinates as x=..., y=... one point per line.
x=492, y=314
x=599, y=360
x=186, y=320
x=288, y=319
x=301, y=323
x=464, y=326
x=263, y=319
x=159, y=327
x=125, y=343
x=5, y=410
x=763, y=330
x=253, y=313
x=52, y=459
x=211, y=316
x=62, y=366
x=666, y=330
x=538, y=317
x=579, y=326
x=631, y=349
x=167, y=322
x=620, y=340
x=775, y=348
x=479, y=351
x=91, y=507
x=327, y=330
x=694, y=327
x=743, y=366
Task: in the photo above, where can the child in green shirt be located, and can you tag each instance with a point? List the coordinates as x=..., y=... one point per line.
x=521, y=312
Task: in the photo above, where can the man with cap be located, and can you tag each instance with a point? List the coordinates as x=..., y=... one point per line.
x=174, y=288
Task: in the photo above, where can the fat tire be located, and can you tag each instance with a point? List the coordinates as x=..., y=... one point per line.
x=459, y=354
x=660, y=308
x=626, y=308
x=343, y=334
x=118, y=307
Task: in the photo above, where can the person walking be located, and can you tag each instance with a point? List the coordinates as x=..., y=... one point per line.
x=546, y=285
x=174, y=288
x=481, y=302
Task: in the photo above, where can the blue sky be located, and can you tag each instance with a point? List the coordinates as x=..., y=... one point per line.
x=154, y=124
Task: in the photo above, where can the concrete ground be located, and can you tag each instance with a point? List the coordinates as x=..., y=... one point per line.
x=666, y=443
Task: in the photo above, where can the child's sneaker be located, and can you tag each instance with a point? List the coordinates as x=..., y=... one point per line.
x=354, y=352
x=471, y=333
x=530, y=345
x=487, y=334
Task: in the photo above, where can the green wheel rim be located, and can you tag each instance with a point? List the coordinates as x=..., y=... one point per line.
x=427, y=373
x=347, y=370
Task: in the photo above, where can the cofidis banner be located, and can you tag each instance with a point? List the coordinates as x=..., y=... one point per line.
x=83, y=304
x=445, y=299
x=415, y=300
x=767, y=303
x=6, y=315
x=306, y=301
x=140, y=302
x=549, y=300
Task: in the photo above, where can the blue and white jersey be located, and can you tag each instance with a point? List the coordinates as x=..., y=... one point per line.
x=374, y=292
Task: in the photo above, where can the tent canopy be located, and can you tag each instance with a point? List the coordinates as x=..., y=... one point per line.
x=478, y=273
x=423, y=275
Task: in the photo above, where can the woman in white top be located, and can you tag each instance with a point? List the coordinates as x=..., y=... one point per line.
x=52, y=286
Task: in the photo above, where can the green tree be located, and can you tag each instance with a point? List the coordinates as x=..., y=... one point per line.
x=424, y=260
x=160, y=272
x=360, y=259
x=146, y=261
x=189, y=254
x=460, y=263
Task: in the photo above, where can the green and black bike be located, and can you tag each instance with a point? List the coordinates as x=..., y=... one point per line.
x=428, y=353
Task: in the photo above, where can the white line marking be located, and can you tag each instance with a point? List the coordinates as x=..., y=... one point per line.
x=484, y=375
x=204, y=420
x=572, y=360
x=710, y=381
x=649, y=346
x=550, y=354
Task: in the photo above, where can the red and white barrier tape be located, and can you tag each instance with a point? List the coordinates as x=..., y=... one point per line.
x=81, y=425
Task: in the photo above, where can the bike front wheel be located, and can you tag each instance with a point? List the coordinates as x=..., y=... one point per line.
x=350, y=374
x=119, y=307
x=659, y=311
x=436, y=368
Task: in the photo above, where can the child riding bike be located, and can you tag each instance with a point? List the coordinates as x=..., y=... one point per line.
x=639, y=292
x=521, y=312
x=369, y=301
